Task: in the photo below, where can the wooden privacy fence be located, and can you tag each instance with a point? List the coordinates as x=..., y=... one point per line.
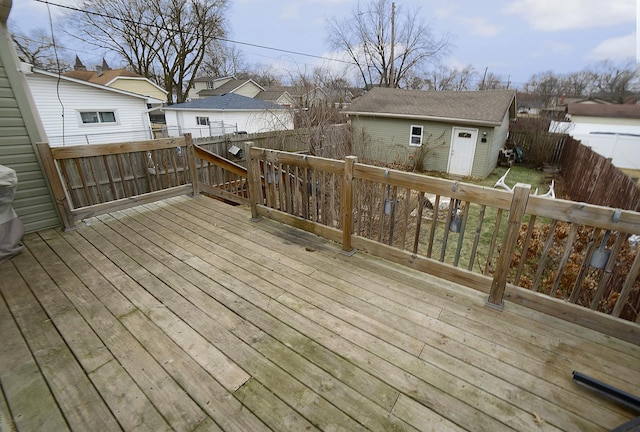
x=545, y=253
x=591, y=177
x=90, y=180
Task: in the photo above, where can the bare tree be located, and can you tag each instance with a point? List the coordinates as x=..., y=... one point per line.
x=222, y=59
x=491, y=81
x=38, y=48
x=368, y=40
x=443, y=78
x=165, y=40
x=613, y=81
x=264, y=75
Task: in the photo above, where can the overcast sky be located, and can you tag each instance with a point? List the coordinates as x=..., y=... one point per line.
x=511, y=38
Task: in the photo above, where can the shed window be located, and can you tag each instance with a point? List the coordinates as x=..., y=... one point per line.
x=464, y=135
x=202, y=121
x=93, y=117
x=416, y=136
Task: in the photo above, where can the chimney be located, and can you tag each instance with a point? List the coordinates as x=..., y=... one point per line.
x=78, y=66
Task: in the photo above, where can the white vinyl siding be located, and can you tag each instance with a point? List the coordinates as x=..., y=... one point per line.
x=63, y=116
x=185, y=121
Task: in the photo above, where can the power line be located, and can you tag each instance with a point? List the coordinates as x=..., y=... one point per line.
x=156, y=26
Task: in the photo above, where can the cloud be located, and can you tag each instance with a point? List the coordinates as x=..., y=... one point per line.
x=619, y=48
x=551, y=48
x=557, y=15
x=480, y=27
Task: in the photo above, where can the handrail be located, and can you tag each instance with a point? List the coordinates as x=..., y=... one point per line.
x=220, y=161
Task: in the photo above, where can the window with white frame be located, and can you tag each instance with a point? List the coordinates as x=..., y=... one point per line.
x=202, y=121
x=96, y=117
x=416, y=136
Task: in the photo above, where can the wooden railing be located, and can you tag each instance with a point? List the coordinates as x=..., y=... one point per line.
x=90, y=180
x=529, y=249
x=220, y=177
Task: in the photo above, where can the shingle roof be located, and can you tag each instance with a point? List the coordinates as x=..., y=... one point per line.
x=229, y=101
x=106, y=77
x=227, y=87
x=604, y=110
x=477, y=107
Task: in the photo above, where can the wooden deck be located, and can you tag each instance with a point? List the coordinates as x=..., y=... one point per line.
x=185, y=315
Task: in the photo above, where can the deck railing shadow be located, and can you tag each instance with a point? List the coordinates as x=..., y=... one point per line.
x=568, y=259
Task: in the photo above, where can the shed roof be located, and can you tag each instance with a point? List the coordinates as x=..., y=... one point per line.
x=229, y=101
x=475, y=107
x=605, y=110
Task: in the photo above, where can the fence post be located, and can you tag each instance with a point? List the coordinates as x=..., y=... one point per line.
x=347, y=205
x=62, y=201
x=191, y=155
x=516, y=213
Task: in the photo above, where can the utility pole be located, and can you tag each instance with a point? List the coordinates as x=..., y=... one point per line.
x=392, y=83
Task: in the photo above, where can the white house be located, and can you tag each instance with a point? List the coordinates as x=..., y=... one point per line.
x=218, y=115
x=76, y=112
x=611, y=130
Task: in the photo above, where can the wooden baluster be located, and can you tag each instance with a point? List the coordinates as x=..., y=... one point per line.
x=525, y=249
x=476, y=238
x=492, y=244
x=447, y=222
x=608, y=270
x=568, y=247
x=465, y=216
x=584, y=268
x=434, y=225
x=543, y=258
x=416, y=238
x=631, y=279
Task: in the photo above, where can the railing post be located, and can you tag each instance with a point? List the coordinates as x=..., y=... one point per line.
x=63, y=204
x=347, y=205
x=516, y=213
x=191, y=155
x=253, y=175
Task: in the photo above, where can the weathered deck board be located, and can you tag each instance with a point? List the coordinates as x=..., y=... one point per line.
x=185, y=315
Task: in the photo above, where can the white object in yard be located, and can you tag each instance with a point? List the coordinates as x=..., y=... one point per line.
x=501, y=182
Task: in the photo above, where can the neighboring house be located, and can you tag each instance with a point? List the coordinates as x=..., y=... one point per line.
x=122, y=79
x=76, y=112
x=460, y=133
x=20, y=130
x=220, y=86
x=612, y=130
x=277, y=96
x=217, y=115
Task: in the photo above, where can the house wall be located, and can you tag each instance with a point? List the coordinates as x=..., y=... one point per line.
x=605, y=120
x=249, y=90
x=183, y=121
x=497, y=137
x=139, y=86
x=387, y=140
x=19, y=131
x=132, y=119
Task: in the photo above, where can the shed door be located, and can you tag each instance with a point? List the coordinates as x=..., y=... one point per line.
x=463, y=147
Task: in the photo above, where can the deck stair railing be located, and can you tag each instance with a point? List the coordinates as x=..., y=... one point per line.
x=89, y=180
x=530, y=249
